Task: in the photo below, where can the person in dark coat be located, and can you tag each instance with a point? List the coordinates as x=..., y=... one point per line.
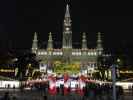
x=6, y=96
x=132, y=89
x=44, y=97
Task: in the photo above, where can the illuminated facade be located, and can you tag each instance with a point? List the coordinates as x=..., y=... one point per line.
x=68, y=54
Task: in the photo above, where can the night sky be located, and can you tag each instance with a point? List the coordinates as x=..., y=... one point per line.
x=20, y=19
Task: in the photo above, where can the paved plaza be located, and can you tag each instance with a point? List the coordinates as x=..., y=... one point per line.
x=40, y=95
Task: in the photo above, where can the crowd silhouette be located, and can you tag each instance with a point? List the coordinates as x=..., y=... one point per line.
x=92, y=91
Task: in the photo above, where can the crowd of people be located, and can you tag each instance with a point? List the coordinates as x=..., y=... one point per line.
x=7, y=96
x=91, y=91
x=87, y=89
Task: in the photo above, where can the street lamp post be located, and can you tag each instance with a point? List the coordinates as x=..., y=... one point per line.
x=114, y=80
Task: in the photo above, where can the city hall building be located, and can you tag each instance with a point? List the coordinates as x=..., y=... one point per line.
x=87, y=57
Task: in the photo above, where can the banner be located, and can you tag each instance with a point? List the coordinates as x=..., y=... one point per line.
x=69, y=68
x=52, y=85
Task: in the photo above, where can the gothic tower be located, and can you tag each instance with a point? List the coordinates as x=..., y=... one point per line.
x=67, y=37
x=49, y=49
x=99, y=45
x=67, y=30
x=35, y=44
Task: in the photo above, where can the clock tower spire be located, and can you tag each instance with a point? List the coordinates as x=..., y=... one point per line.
x=67, y=30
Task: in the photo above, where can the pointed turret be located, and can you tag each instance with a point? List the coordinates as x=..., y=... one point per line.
x=67, y=14
x=35, y=43
x=50, y=42
x=99, y=44
x=84, y=41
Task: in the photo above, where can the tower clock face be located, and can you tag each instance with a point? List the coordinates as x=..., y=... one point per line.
x=67, y=29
